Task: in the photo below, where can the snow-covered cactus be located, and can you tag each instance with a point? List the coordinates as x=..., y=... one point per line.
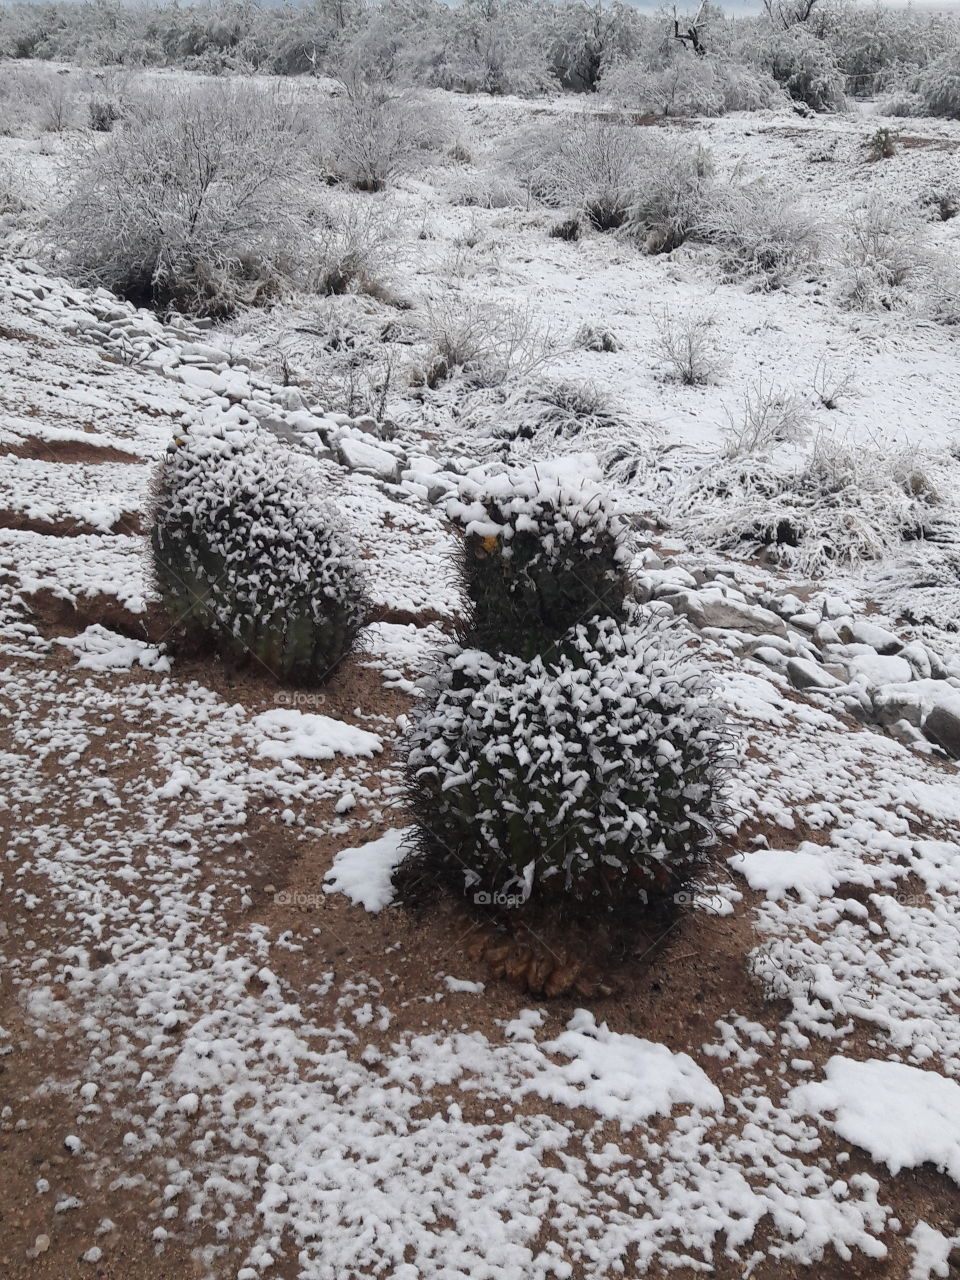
x=542, y=550
x=592, y=776
x=250, y=560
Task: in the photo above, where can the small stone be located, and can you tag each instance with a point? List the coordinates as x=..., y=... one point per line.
x=41, y=1244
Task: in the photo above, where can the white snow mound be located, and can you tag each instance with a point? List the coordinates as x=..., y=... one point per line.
x=289, y=733
x=364, y=874
x=902, y=1116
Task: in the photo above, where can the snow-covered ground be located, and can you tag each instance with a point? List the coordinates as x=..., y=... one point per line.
x=228, y=1053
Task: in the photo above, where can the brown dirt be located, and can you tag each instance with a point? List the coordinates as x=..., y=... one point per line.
x=38, y=450
x=129, y=523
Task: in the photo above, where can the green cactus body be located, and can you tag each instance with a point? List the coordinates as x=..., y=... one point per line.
x=248, y=560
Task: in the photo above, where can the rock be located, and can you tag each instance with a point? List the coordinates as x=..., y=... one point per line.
x=825, y=633
x=778, y=643
x=368, y=459
x=925, y=663
x=805, y=621
x=201, y=353
x=808, y=675
x=367, y=424
x=860, y=631
x=904, y=732
x=911, y=701
x=836, y=607
x=770, y=657
x=712, y=608
x=942, y=726
x=874, y=670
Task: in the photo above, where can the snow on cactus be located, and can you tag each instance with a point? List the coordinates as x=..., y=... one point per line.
x=593, y=777
x=250, y=560
x=542, y=550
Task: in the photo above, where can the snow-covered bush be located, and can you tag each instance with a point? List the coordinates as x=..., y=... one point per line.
x=354, y=246
x=804, y=66
x=487, y=344
x=685, y=342
x=691, y=86
x=375, y=131
x=687, y=86
x=591, y=774
x=941, y=202
x=250, y=561
x=589, y=38
x=550, y=411
x=588, y=163
x=938, y=87
x=493, y=46
x=542, y=550
x=881, y=254
x=762, y=231
x=488, y=191
x=843, y=505
x=668, y=203
x=102, y=113
x=194, y=203
x=597, y=337
x=768, y=415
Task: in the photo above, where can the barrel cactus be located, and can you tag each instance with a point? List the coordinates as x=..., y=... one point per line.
x=592, y=777
x=542, y=549
x=249, y=560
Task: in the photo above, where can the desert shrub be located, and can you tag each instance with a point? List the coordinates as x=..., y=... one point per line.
x=938, y=87
x=355, y=243
x=590, y=775
x=102, y=114
x=881, y=254
x=488, y=191
x=541, y=551
x=553, y=411
x=830, y=384
x=35, y=100
x=375, y=132
x=685, y=342
x=768, y=416
x=569, y=228
x=691, y=86
x=667, y=205
x=492, y=46
x=842, y=506
x=943, y=294
x=193, y=204
x=687, y=86
x=593, y=337
x=587, y=39
x=882, y=144
x=746, y=88
x=588, y=163
x=486, y=343
x=250, y=561
x=804, y=66
x=940, y=203
x=762, y=232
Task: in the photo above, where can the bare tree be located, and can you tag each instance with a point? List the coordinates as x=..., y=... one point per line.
x=788, y=13
x=693, y=36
